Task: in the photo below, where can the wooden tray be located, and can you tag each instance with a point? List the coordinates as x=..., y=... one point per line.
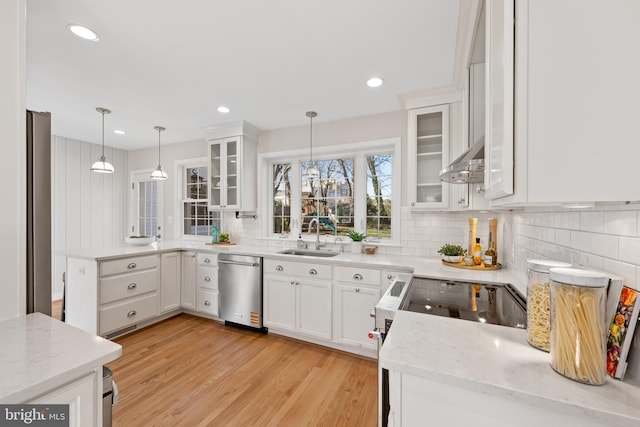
x=221, y=243
x=461, y=264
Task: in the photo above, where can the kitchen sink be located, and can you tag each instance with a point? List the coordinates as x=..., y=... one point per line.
x=308, y=252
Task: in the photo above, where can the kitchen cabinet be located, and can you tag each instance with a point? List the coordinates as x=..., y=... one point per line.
x=232, y=167
x=81, y=397
x=355, y=291
x=562, y=128
x=188, y=279
x=170, y=279
x=207, y=283
x=428, y=154
x=297, y=297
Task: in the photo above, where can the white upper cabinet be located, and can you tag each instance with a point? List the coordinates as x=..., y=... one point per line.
x=573, y=102
x=232, y=166
x=428, y=154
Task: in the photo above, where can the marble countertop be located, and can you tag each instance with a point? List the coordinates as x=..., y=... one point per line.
x=40, y=354
x=497, y=360
x=419, y=266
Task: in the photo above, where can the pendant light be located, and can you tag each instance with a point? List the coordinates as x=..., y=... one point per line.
x=312, y=171
x=159, y=173
x=102, y=166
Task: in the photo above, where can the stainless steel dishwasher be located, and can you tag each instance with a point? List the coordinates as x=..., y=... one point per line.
x=240, y=287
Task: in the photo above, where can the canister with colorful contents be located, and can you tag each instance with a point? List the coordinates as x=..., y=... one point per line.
x=578, y=324
x=538, y=301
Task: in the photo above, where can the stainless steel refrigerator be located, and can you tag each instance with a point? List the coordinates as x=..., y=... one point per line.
x=38, y=212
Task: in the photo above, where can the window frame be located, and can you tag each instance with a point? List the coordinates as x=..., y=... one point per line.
x=358, y=152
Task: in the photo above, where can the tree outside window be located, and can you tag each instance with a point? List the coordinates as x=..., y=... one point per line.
x=379, y=179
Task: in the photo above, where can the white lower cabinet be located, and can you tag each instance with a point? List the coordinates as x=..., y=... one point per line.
x=170, y=277
x=82, y=398
x=188, y=273
x=207, y=283
x=352, y=322
x=297, y=297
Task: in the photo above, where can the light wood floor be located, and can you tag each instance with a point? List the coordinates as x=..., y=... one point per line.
x=56, y=309
x=189, y=371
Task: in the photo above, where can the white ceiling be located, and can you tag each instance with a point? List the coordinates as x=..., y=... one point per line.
x=172, y=63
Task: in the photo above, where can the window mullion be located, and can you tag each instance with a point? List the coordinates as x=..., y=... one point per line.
x=296, y=197
x=360, y=193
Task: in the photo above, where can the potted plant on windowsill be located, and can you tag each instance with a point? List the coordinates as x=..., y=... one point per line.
x=356, y=241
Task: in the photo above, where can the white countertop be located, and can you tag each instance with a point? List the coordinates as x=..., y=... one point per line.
x=420, y=266
x=40, y=353
x=497, y=360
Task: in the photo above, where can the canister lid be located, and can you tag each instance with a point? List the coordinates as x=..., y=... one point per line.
x=573, y=276
x=543, y=265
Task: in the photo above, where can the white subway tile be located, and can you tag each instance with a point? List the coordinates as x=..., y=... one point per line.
x=580, y=241
x=630, y=250
x=592, y=221
x=563, y=237
x=622, y=223
x=624, y=270
x=605, y=245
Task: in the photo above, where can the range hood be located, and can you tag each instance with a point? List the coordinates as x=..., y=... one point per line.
x=468, y=168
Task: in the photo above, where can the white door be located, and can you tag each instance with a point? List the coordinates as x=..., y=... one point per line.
x=279, y=302
x=146, y=204
x=353, y=322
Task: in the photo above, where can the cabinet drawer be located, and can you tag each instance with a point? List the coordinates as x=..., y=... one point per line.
x=300, y=269
x=127, y=265
x=122, y=286
x=207, y=302
x=208, y=259
x=208, y=277
x=357, y=275
x=128, y=313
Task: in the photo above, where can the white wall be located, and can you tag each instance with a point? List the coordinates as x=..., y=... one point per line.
x=88, y=208
x=13, y=171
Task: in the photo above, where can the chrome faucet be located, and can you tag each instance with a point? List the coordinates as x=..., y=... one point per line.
x=317, y=221
x=339, y=239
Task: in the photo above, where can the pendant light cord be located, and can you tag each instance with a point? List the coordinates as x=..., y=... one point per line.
x=102, y=134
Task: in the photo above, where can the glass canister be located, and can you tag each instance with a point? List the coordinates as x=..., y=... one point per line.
x=538, y=301
x=578, y=324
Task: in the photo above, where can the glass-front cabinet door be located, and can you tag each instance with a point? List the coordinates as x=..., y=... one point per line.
x=225, y=182
x=428, y=151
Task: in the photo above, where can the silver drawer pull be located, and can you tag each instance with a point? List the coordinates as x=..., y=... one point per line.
x=357, y=289
x=131, y=313
x=207, y=278
x=132, y=286
x=207, y=303
x=132, y=265
x=357, y=276
x=313, y=272
x=279, y=268
x=389, y=276
x=207, y=261
x=293, y=282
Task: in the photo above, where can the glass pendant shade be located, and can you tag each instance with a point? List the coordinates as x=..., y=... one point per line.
x=102, y=166
x=312, y=171
x=159, y=173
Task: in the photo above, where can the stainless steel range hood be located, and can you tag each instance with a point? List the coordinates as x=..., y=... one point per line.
x=468, y=168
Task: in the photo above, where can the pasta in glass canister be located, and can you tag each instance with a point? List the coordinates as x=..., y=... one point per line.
x=578, y=332
x=538, y=301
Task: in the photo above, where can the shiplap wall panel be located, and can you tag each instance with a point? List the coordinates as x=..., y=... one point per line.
x=88, y=208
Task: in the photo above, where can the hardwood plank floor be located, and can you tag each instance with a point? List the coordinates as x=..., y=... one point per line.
x=190, y=371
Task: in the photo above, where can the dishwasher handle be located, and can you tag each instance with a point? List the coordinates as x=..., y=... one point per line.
x=246, y=264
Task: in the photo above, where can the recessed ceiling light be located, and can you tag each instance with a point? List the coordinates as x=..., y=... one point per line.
x=223, y=109
x=83, y=32
x=375, y=82
x=119, y=132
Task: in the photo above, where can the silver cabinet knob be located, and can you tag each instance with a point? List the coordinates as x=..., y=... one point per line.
x=131, y=313
x=279, y=267
x=293, y=282
x=132, y=265
x=207, y=303
x=313, y=272
x=297, y=283
x=207, y=278
x=207, y=261
x=461, y=201
x=389, y=276
x=357, y=276
x=357, y=289
x=413, y=203
x=132, y=286
x=192, y=255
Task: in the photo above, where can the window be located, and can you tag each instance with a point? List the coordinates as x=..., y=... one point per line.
x=354, y=191
x=145, y=205
x=197, y=220
x=327, y=201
